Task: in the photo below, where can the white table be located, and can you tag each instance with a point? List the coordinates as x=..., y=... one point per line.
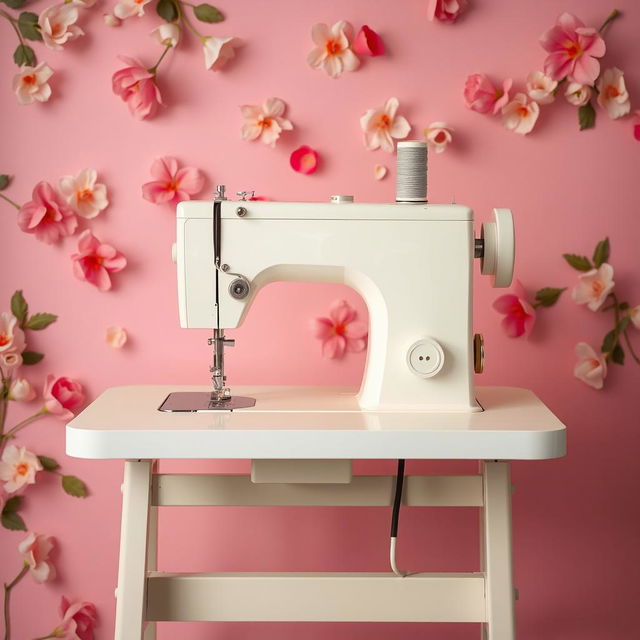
x=301, y=442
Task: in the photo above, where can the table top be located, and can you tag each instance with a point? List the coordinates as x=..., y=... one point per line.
x=313, y=423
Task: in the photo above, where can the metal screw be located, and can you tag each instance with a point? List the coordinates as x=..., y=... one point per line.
x=241, y=212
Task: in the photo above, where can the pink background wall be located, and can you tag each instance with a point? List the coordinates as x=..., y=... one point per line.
x=576, y=520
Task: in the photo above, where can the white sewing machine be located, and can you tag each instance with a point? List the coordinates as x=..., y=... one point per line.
x=411, y=262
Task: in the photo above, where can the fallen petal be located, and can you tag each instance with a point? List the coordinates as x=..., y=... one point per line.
x=379, y=171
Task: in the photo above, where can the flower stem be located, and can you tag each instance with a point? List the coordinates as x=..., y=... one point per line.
x=12, y=21
x=612, y=16
x=53, y=634
x=154, y=69
x=631, y=351
x=7, y=596
x=185, y=20
x=24, y=423
x=15, y=204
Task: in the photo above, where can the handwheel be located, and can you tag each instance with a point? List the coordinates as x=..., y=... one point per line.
x=499, y=247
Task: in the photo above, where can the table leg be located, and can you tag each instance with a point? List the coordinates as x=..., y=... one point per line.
x=134, y=536
x=496, y=552
x=152, y=554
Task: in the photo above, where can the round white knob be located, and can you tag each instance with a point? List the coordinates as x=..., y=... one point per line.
x=425, y=358
x=499, y=248
x=174, y=253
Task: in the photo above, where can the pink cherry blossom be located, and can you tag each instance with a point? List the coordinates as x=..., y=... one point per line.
x=381, y=125
x=340, y=332
x=304, y=159
x=368, y=43
x=634, y=316
x=95, y=261
x=31, y=84
x=137, y=87
x=577, y=94
x=519, y=315
x=116, y=337
x=47, y=215
x=82, y=615
x=21, y=390
x=57, y=25
x=333, y=49
x=520, y=114
x=172, y=184
x=541, y=87
x=613, y=96
x=11, y=335
x=438, y=136
x=35, y=550
x=265, y=123
x=445, y=10
x=573, y=49
x=10, y=361
x=591, y=367
x=218, y=51
x=128, y=8
x=18, y=468
x=62, y=396
x=482, y=96
x=82, y=193
x=594, y=286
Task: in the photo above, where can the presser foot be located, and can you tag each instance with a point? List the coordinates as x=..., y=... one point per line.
x=202, y=401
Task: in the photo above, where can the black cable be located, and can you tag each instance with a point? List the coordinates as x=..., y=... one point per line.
x=397, y=500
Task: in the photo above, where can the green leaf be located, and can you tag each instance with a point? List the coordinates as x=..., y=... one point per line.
x=13, y=521
x=14, y=4
x=623, y=306
x=207, y=13
x=609, y=341
x=74, y=486
x=12, y=504
x=28, y=25
x=623, y=324
x=617, y=355
x=581, y=263
x=586, y=116
x=48, y=464
x=167, y=10
x=31, y=357
x=39, y=321
x=4, y=181
x=601, y=253
x=24, y=56
x=19, y=307
x=548, y=296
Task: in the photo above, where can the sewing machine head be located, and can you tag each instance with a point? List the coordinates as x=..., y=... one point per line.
x=411, y=262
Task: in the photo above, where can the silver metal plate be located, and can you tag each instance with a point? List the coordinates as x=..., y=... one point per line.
x=201, y=401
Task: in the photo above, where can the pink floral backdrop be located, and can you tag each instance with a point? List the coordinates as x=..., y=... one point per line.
x=576, y=521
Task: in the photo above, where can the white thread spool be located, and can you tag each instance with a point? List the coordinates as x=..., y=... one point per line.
x=411, y=171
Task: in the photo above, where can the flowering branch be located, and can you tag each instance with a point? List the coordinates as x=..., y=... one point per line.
x=7, y=597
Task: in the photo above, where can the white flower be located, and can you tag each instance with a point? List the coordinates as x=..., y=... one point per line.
x=30, y=84
x=83, y=4
x=594, y=286
x=116, y=337
x=381, y=125
x=266, y=122
x=333, y=52
x=167, y=34
x=21, y=390
x=18, y=467
x=127, y=8
x=577, y=94
x=520, y=114
x=86, y=197
x=218, y=51
x=634, y=316
x=110, y=20
x=438, y=136
x=613, y=96
x=10, y=361
x=540, y=87
x=591, y=367
x=57, y=25
x=11, y=335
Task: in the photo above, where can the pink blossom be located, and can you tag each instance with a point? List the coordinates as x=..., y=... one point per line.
x=84, y=617
x=116, y=337
x=368, y=43
x=333, y=49
x=304, y=160
x=594, y=286
x=172, y=184
x=519, y=315
x=577, y=94
x=482, y=96
x=137, y=87
x=445, y=10
x=82, y=193
x=218, y=51
x=35, y=550
x=438, y=136
x=340, y=332
x=379, y=171
x=265, y=123
x=520, y=114
x=47, y=215
x=18, y=468
x=636, y=127
x=613, y=96
x=634, y=315
x=95, y=261
x=62, y=396
x=10, y=361
x=573, y=49
x=591, y=367
x=57, y=25
x=127, y=8
x=11, y=335
x=31, y=84
x=381, y=125
x=541, y=87
x=21, y=390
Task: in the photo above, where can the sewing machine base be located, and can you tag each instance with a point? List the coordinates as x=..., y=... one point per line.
x=196, y=401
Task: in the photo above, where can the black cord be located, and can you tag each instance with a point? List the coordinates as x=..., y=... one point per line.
x=397, y=500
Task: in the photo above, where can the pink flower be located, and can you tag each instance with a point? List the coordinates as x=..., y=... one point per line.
x=137, y=87
x=82, y=193
x=445, y=10
x=480, y=95
x=171, y=183
x=21, y=390
x=613, y=96
x=368, y=43
x=381, y=125
x=47, y=215
x=265, y=123
x=116, y=337
x=519, y=315
x=594, y=286
x=520, y=114
x=577, y=94
x=573, y=49
x=340, y=332
x=634, y=315
x=57, y=25
x=31, y=84
x=304, y=160
x=333, y=52
x=84, y=618
x=35, y=550
x=541, y=87
x=438, y=136
x=591, y=367
x=636, y=127
x=11, y=335
x=218, y=51
x=62, y=396
x=128, y=8
x=95, y=261
x=18, y=468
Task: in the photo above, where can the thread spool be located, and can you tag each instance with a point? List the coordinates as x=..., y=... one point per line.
x=411, y=171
